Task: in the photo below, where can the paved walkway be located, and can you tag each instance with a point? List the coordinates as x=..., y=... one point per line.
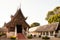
x=40, y=39
x=20, y=36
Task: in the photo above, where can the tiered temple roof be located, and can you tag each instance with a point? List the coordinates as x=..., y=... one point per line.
x=18, y=18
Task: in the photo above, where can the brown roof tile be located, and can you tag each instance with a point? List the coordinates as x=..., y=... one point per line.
x=49, y=27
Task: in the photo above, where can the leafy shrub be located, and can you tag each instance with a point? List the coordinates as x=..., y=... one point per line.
x=34, y=35
x=39, y=36
x=0, y=34
x=13, y=37
x=3, y=34
x=29, y=37
x=55, y=35
x=46, y=37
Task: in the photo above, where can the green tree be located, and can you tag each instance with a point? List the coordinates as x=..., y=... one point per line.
x=55, y=11
x=50, y=13
x=54, y=18
x=54, y=15
x=35, y=24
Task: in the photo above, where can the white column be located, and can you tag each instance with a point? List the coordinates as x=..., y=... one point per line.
x=15, y=31
x=49, y=34
x=23, y=31
x=42, y=33
x=27, y=31
x=45, y=33
x=54, y=33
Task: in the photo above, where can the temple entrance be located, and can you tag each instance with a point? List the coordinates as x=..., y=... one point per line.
x=19, y=28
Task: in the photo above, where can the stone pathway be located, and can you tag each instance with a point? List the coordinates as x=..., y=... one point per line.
x=20, y=36
x=32, y=39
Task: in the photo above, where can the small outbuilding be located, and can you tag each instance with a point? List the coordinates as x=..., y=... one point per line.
x=50, y=30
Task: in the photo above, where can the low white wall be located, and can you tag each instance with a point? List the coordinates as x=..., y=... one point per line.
x=9, y=34
x=37, y=34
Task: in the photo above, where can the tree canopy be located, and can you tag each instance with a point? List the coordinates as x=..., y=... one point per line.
x=35, y=24
x=50, y=13
x=54, y=15
x=54, y=18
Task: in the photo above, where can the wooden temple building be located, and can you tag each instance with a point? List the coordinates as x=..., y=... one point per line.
x=17, y=23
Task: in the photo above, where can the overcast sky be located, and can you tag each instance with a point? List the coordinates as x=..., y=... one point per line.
x=35, y=10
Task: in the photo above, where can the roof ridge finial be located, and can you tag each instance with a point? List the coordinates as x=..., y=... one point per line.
x=20, y=5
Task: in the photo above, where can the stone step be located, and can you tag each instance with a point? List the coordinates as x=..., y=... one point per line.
x=20, y=36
